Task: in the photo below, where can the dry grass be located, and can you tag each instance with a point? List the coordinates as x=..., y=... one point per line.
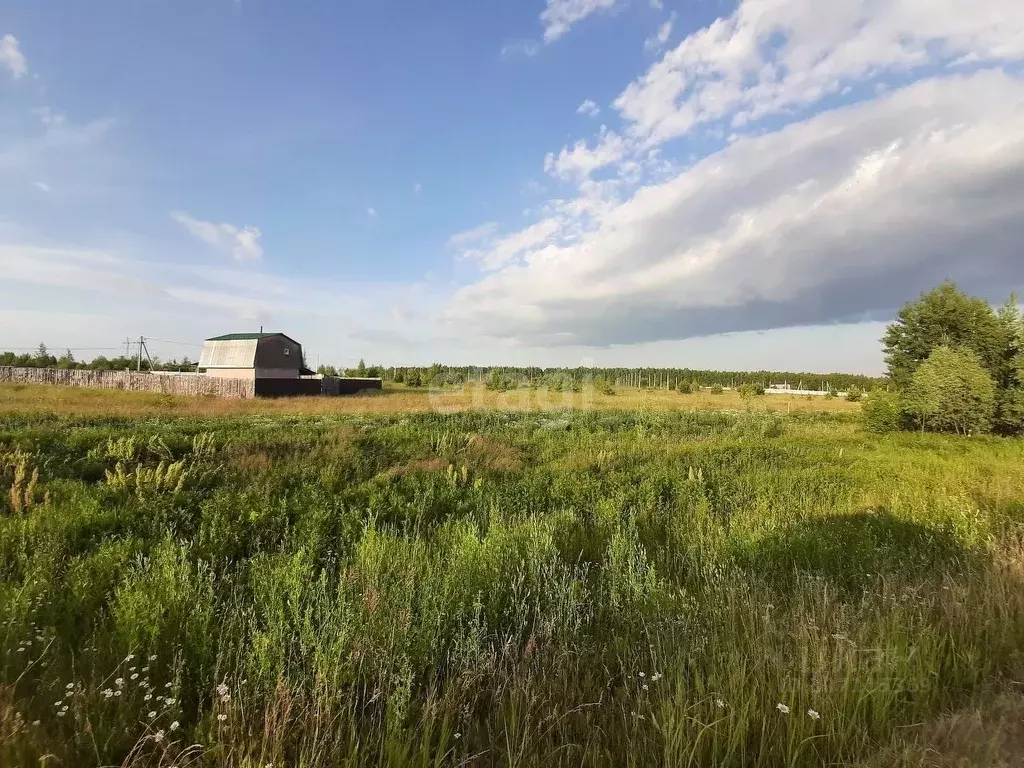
x=988, y=736
x=42, y=399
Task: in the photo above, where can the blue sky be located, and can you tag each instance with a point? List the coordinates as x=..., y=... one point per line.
x=559, y=182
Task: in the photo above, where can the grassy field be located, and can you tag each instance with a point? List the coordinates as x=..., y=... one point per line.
x=396, y=399
x=649, y=579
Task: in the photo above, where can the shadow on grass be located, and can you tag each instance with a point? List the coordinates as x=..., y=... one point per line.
x=852, y=550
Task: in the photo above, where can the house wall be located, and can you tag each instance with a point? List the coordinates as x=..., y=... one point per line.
x=252, y=373
x=279, y=353
x=231, y=373
x=277, y=373
x=228, y=354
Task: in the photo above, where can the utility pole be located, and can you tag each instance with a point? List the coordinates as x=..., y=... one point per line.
x=127, y=346
x=139, y=368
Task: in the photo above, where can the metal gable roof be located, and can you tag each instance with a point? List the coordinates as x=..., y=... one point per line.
x=248, y=337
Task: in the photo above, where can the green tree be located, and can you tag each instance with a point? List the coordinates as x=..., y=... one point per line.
x=1010, y=411
x=945, y=316
x=951, y=391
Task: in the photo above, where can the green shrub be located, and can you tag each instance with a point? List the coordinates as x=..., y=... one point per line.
x=684, y=388
x=883, y=412
x=952, y=392
x=854, y=394
x=750, y=390
x=716, y=389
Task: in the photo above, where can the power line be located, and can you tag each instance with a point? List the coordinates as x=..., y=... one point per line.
x=179, y=343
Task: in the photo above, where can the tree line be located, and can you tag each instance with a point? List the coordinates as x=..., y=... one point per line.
x=512, y=377
x=43, y=358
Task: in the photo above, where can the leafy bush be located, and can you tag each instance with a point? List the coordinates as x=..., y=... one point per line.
x=883, y=412
x=716, y=389
x=854, y=394
x=684, y=388
x=750, y=390
x=952, y=392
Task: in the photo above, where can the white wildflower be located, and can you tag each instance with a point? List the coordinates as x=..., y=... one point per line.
x=152, y=715
x=174, y=725
x=646, y=686
x=119, y=682
x=813, y=714
x=642, y=675
x=170, y=702
x=159, y=736
x=782, y=708
x=147, y=697
x=656, y=677
x=107, y=693
x=129, y=657
x=62, y=713
x=153, y=657
x=135, y=676
x=69, y=686
x=221, y=718
x=719, y=703
x=117, y=693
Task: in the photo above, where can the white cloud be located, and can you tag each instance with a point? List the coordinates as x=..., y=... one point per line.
x=42, y=186
x=588, y=108
x=773, y=56
x=49, y=117
x=581, y=160
x=840, y=216
x=559, y=15
x=657, y=42
x=475, y=235
x=12, y=57
x=494, y=253
x=371, y=212
x=243, y=244
x=519, y=49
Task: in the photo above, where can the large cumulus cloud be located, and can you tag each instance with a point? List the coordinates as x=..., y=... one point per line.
x=838, y=217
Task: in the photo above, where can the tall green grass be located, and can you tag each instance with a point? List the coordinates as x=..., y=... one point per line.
x=497, y=589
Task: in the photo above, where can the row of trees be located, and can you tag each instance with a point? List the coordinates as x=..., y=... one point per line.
x=43, y=358
x=957, y=366
x=512, y=377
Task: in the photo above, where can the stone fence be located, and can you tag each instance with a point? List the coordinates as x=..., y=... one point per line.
x=132, y=381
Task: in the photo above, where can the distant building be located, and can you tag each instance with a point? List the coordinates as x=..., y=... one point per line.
x=253, y=356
